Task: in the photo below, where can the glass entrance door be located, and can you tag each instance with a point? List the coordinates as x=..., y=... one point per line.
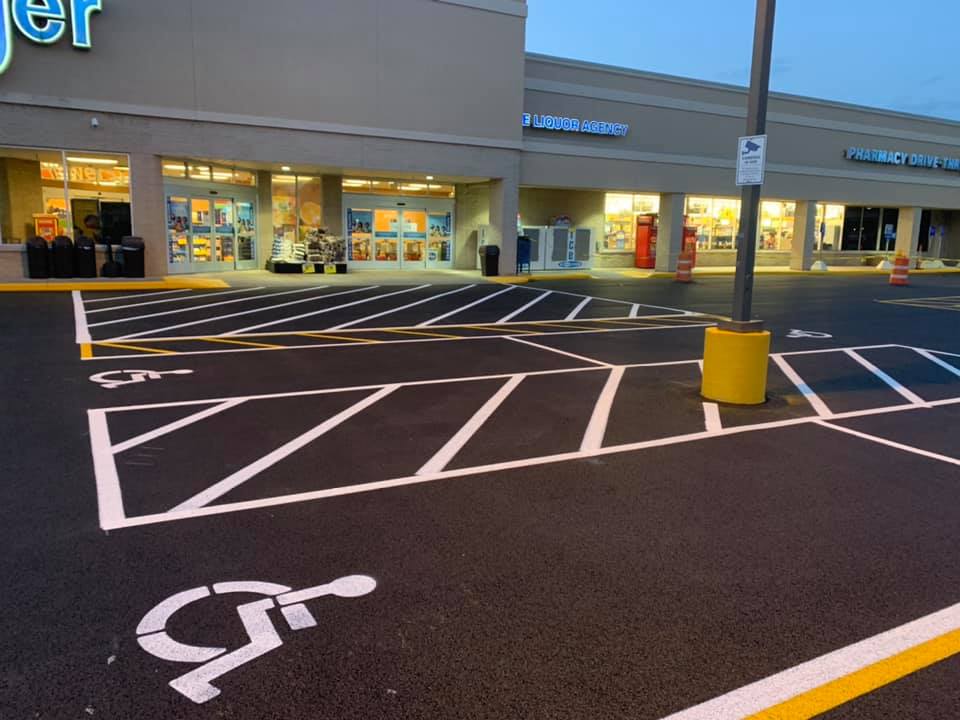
x=413, y=233
x=210, y=234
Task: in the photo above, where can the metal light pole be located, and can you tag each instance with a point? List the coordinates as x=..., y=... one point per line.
x=750, y=202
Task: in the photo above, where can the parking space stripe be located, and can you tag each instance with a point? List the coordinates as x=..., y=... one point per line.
x=558, y=351
x=890, y=443
x=237, y=479
x=176, y=425
x=830, y=680
x=597, y=427
x=455, y=444
x=172, y=300
x=939, y=361
x=711, y=417
x=192, y=308
x=217, y=318
x=329, y=309
x=80, y=318
x=391, y=311
x=124, y=298
x=909, y=395
x=815, y=402
x=576, y=311
x=458, y=310
x=542, y=296
x=634, y=310
x=243, y=342
x=109, y=496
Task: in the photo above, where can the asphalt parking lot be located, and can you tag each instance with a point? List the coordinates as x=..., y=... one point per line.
x=479, y=501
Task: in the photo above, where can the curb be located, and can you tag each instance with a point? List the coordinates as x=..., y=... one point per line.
x=797, y=273
x=112, y=285
x=524, y=279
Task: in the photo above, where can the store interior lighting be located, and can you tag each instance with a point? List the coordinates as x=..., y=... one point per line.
x=92, y=161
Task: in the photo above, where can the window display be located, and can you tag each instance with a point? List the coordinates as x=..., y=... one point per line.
x=398, y=187
x=178, y=230
x=209, y=173
x=359, y=234
x=716, y=221
x=621, y=213
x=829, y=226
x=776, y=225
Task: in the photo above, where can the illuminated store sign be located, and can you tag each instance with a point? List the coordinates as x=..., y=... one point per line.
x=574, y=125
x=45, y=22
x=899, y=157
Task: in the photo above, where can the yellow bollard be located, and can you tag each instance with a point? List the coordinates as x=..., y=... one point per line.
x=735, y=366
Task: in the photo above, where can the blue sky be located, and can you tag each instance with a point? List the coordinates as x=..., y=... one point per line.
x=895, y=54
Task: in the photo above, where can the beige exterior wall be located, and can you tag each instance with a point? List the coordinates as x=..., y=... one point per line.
x=471, y=210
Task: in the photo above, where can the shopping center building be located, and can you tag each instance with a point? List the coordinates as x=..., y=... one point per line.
x=401, y=134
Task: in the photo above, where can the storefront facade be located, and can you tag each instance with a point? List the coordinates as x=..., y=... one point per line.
x=416, y=143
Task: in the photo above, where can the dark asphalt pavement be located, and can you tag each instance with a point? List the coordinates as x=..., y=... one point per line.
x=633, y=584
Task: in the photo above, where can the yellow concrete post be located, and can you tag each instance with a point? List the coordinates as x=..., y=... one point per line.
x=735, y=366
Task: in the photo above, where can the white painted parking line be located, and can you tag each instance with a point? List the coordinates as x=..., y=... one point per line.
x=109, y=496
x=627, y=302
x=253, y=311
x=765, y=695
x=544, y=294
x=176, y=425
x=909, y=395
x=455, y=444
x=890, y=443
x=192, y=308
x=576, y=311
x=80, y=319
x=507, y=289
x=237, y=479
x=939, y=361
x=294, y=318
x=711, y=417
x=171, y=300
x=391, y=311
x=597, y=427
x=557, y=350
x=124, y=298
x=634, y=310
x=815, y=402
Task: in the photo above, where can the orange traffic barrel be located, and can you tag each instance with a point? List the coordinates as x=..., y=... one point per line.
x=684, y=268
x=901, y=270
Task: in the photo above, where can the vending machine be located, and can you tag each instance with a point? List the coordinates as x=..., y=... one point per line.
x=646, y=241
x=690, y=243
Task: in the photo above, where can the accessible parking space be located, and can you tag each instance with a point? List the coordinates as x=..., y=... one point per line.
x=476, y=501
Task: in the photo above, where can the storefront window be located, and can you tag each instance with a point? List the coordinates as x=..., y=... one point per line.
x=716, y=220
x=284, y=190
x=48, y=193
x=861, y=229
x=209, y=173
x=309, y=207
x=829, y=226
x=776, y=225
x=414, y=188
x=620, y=222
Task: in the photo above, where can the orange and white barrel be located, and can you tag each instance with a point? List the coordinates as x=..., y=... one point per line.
x=684, y=268
x=901, y=271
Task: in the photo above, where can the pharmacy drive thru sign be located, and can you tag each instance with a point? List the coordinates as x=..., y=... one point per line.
x=45, y=22
x=751, y=160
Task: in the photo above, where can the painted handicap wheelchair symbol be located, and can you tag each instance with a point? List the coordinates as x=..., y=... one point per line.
x=196, y=684
x=809, y=334
x=115, y=378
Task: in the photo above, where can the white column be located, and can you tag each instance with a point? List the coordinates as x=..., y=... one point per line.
x=908, y=231
x=670, y=231
x=804, y=235
x=148, y=210
x=332, y=204
x=504, y=206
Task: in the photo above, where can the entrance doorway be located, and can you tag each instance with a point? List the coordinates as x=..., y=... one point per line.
x=207, y=233
x=401, y=235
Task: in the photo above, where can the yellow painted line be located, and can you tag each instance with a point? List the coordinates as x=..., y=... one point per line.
x=337, y=337
x=501, y=330
x=424, y=334
x=844, y=689
x=565, y=326
x=136, y=348
x=113, y=286
x=86, y=351
x=242, y=342
x=635, y=323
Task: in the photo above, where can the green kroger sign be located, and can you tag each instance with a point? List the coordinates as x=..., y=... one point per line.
x=45, y=23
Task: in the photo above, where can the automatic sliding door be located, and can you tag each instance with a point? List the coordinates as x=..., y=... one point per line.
x=414, y=233
x=201, y=239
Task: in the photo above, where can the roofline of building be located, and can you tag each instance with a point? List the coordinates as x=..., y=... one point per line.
x=710, y=85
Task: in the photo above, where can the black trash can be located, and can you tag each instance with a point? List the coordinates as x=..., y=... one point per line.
x=62, y=257
x=489, y=260
x=133, y=252
x=38, y=258
x=85, y=257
